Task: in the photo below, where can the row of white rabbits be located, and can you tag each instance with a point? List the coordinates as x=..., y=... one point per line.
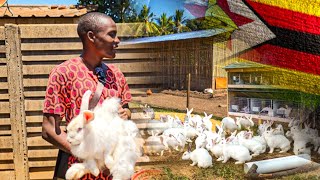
x=170, y=132
x=101, y=139
x=237, y=146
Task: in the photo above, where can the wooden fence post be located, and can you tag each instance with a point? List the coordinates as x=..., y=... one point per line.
x=16, y=101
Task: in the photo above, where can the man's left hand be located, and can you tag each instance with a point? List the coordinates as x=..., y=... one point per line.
x=124, y=113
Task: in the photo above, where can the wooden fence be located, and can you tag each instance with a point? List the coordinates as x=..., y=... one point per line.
x=27, y=54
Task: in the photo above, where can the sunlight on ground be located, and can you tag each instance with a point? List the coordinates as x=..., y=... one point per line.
x=181, y=117
x=172, y=113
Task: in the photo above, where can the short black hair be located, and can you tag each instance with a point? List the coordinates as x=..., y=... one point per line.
x=90, y=22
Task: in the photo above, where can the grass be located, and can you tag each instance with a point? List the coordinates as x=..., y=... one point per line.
x=168, y=172
x=220, y=170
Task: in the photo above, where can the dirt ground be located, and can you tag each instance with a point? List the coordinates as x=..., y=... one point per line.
x=171, y=164
x=215, y=104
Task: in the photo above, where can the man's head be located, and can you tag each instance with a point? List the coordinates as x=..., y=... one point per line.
x=98, y=33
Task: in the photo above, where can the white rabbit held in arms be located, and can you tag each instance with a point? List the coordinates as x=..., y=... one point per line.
x=96, y=135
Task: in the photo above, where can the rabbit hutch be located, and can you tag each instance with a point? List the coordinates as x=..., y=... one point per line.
x=255, y=89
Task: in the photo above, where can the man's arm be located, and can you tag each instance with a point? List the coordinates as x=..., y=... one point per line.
x=52, y=132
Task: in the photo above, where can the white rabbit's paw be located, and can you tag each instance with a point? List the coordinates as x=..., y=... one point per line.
x=76, y=171
x=95, y=171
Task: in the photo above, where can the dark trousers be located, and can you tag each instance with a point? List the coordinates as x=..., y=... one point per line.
x=61, y=165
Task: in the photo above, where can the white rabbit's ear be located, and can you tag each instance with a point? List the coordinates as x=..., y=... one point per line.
x=88, y=116
x=85, y=101
x=205, y=114
x=210, y=116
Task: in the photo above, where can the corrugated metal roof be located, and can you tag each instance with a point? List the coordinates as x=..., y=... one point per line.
x=45, y=11
x=244, y=65
x=178, y=36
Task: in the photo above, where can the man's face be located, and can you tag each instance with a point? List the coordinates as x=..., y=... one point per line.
x=106, y=39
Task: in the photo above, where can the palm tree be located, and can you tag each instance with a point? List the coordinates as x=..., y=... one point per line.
x=147, y=17
x=179, y=22
x=165, y=24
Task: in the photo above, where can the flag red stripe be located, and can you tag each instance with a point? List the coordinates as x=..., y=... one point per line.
x=285, y=18
x=284, y=58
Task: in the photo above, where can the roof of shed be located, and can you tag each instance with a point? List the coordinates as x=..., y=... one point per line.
x=178, y=36
x=45, y=11
x=244, y=65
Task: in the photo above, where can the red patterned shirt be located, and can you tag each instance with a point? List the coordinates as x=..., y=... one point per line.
x=67, y=84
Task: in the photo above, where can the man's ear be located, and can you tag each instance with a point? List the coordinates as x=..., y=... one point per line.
x=88, y=116
x=91, y=36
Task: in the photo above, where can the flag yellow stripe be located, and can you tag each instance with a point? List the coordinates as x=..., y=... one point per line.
x=310, y=7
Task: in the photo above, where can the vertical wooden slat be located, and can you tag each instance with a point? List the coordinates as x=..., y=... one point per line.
x=16, y=100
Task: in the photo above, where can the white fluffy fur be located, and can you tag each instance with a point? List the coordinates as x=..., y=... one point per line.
x=276, y=141
x=154, y=145
x=237, y=152
x=106, y=141
x=199, y=156
x=228, y=124
x=254, y=146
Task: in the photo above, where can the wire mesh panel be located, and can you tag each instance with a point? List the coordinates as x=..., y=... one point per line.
x=239, y=104
x=178, y=58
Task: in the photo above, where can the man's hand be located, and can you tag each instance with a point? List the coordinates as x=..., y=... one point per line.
x=124, y=113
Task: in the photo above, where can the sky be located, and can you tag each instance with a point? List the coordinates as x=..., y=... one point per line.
x=156, y=6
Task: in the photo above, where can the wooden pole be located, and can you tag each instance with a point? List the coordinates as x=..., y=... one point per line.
x=188, y=91
x=16, y=101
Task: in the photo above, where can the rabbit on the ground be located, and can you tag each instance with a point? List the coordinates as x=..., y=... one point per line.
x=207, y=122
x=216, y=149
x=238, y=152
x=228, y=124
x=245, y=122
x=254, y=146
x=276, y=141
x=199, y=156
x=154, y=145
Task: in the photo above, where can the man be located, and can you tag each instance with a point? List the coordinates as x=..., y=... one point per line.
x=69, y=80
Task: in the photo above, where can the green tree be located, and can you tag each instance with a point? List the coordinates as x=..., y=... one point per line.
x=194, y=24
x=179, y=22
x=165, y=24
x=147, y=17
x=120, y=10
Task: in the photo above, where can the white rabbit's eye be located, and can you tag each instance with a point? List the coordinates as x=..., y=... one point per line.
x=79, y=129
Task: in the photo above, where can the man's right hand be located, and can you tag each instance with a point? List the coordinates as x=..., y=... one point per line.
x=52, y=132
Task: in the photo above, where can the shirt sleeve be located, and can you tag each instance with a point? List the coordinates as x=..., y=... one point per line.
x=56, y=95
x=125, y=94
